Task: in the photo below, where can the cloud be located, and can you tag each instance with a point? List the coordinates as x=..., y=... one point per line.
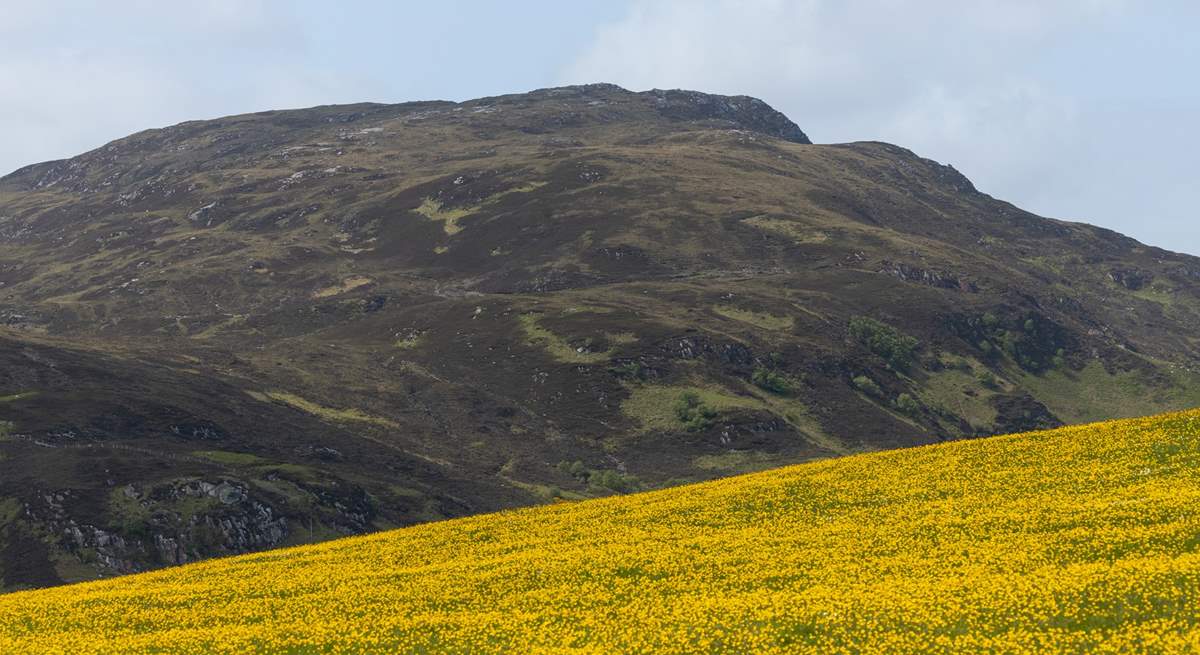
x=112, y=69
x=1011, y=92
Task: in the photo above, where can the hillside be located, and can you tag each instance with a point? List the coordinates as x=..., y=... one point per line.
x=1080, y=539
x=285, y=327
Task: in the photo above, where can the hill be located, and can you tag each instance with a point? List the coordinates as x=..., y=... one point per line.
x=1081, y=539
x=284, y=327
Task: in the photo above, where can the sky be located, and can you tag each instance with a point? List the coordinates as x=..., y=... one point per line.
x=1075, y=109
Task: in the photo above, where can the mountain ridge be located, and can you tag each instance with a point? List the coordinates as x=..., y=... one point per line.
x=675, y=104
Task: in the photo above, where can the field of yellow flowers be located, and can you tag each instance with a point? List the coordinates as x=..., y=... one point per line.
x=1085, y=539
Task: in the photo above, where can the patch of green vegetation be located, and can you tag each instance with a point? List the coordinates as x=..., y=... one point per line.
x=771, y=380
x=127, y=513
x=656, y=406
x=736, y=462
x=217, y=328
x=18, y=396
x=230, y=458
x=308, y=531
x=544, y=491
x=283, y=488
x=965, y=391
x=1093, y=394
x=798, y=232
x=299, y=472
x=907, y=404
x=620, y=338
x=410, y=341
x=10, y=510
x=631, y=370
x=758, y=319
x=557, y=346
x=6, y=428
x=895, y=347
x=1032, y=342
x=349, y=284
x=987, y=379
x=433, y=210
x=692, y=413
x=609, y=479
x=524, y=188
x=868, y=386
x=404, y=492
x=1153, y=293
x=329, y=413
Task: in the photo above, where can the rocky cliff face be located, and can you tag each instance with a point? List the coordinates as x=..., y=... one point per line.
x=266, y=329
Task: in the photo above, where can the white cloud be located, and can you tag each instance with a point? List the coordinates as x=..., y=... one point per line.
x=1009, y=91
x=77, y=74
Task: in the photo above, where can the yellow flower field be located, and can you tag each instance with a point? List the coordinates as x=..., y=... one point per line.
x=1085, y=539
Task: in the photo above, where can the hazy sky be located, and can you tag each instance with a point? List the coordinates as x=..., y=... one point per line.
x=1076, y=109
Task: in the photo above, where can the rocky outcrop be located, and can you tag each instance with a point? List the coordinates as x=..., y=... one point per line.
x=742, y=111
x=178, y=523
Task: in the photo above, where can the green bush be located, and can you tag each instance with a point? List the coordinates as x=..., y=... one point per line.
x=867, y=386
x=693, y=413
x=889, y=343
x=907, y=404
x=770, y=380
x=987, y=379
x=599, y=478
x=614, y=481
x=630, y=369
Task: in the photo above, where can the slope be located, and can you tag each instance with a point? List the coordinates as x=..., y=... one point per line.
x=1080, y=539
x=365, y=316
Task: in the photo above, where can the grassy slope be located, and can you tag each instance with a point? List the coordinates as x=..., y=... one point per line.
x=1078, y=539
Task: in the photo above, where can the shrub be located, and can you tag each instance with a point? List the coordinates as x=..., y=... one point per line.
x=867, y=386
x=600, y=478
x=693, y=413
x=907, y=404
x=614, y=481
x=889, y=343
x=770, y=380
x=987, y=379
x=631, y=369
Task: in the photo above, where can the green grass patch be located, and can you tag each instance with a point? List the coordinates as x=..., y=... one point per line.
x=1093, y=394
x=655, y=406
x=959, y=390
x=796, y=231
x=18, y=396
x=410, y=342
x=555, y=345
x=230, y=458
x=763, y=320
x=10, y=510
x=434, y=211
x=349, y=284
x=328, y=413
x=737, y=461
